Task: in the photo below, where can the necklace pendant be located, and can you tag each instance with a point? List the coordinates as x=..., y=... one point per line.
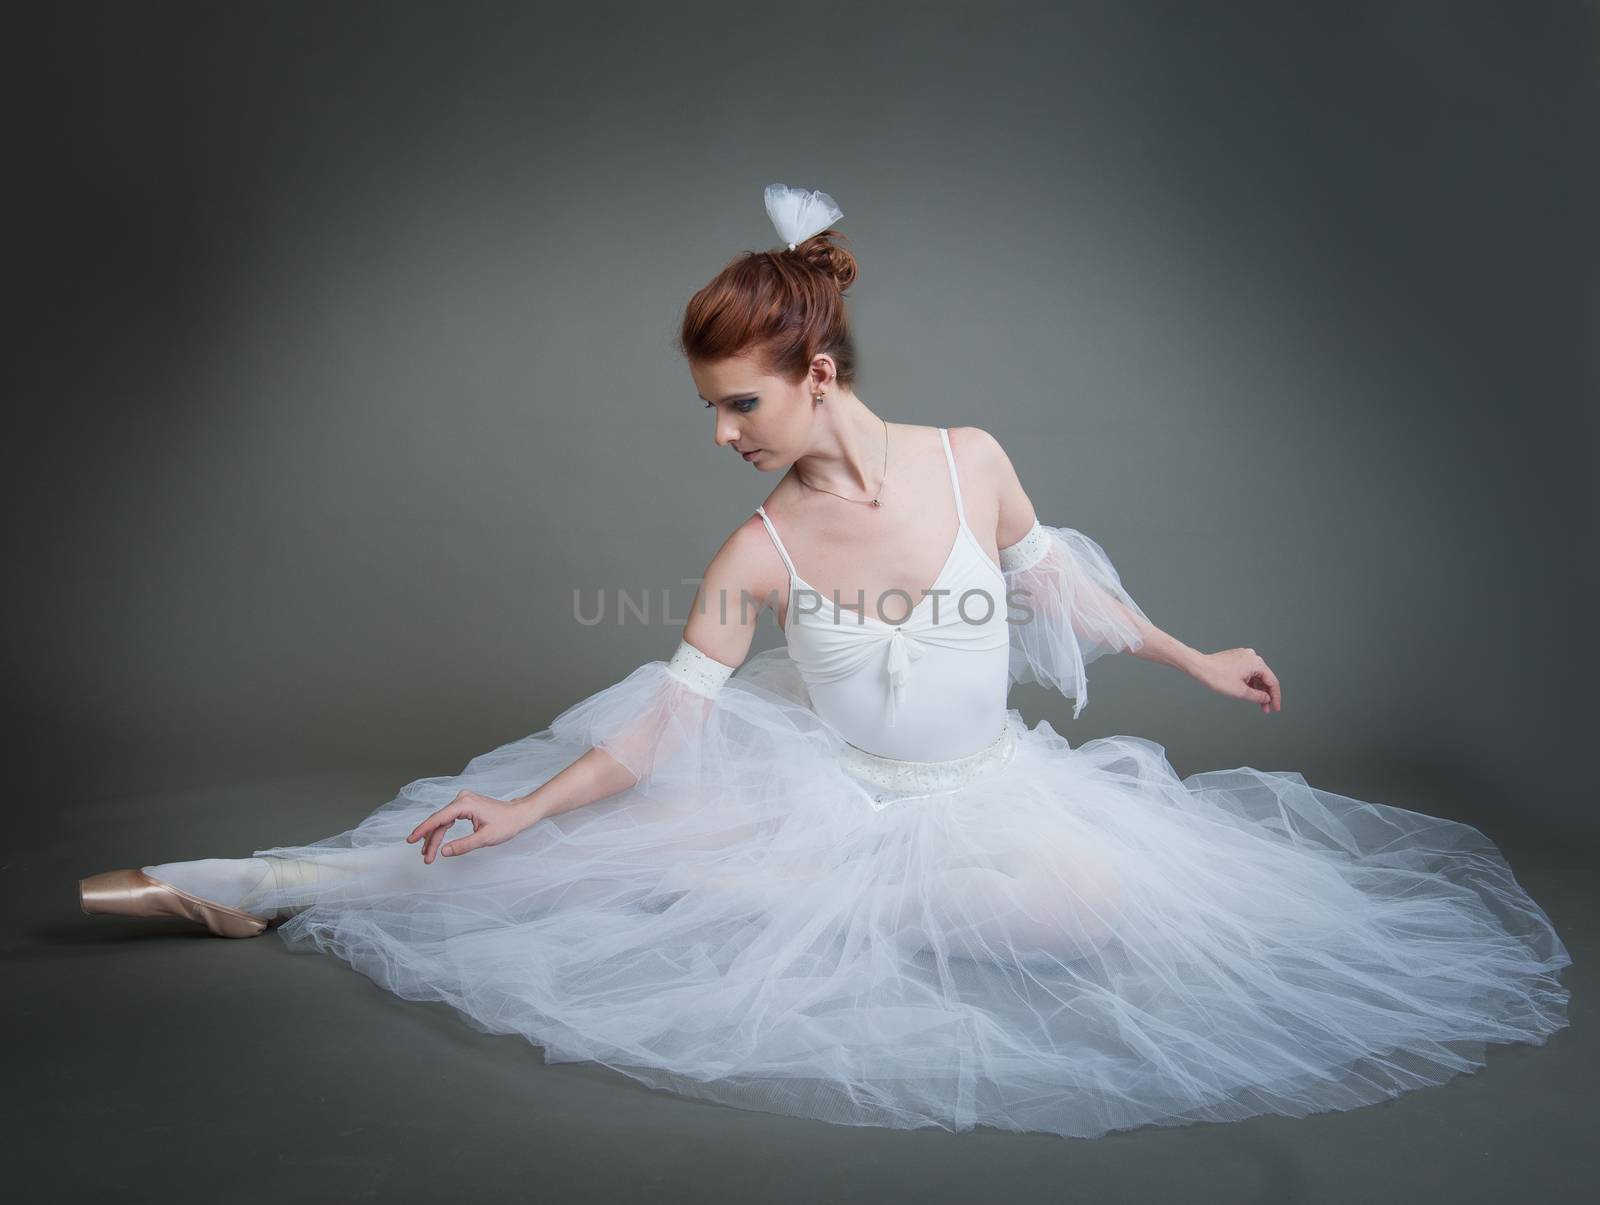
x=874, y=502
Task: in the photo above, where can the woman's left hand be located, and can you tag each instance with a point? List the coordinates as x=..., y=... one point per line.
x=1240, y=674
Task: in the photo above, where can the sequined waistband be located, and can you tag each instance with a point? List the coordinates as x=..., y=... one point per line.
x=886, y=780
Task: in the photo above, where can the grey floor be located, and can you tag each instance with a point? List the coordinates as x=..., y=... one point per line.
x=152, y=1060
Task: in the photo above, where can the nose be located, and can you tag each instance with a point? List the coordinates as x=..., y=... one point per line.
x=726, y=434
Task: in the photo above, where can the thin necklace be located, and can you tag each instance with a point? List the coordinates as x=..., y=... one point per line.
x=881, y=480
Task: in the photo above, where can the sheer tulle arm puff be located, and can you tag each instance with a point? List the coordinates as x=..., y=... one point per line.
x=692, y=723
x=1068, y=606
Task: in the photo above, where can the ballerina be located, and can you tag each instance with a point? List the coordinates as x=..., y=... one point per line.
x=843, y=879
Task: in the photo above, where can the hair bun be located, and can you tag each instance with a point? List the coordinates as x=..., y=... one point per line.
x=823, y=254
x=787, y=305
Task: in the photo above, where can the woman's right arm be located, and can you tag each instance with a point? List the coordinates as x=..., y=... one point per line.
x=721, y=627
x=667, y=722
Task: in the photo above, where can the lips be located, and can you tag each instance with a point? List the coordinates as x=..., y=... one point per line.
x=750, y=453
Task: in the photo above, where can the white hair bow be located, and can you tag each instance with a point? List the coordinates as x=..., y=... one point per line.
x=798, y=213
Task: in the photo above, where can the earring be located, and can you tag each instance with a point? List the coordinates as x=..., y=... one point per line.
x=817, y=397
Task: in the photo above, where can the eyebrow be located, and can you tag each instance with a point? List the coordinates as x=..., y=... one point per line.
x=730, y=397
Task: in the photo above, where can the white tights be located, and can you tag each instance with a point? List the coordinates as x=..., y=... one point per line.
x=263, y=886
x=1033, y=907
x=224, y=881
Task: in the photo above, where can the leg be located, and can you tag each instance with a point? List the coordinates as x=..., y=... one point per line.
x=1033, y=907
x=225, y=881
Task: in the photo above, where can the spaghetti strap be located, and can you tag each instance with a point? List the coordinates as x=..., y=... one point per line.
x=776, y=542
x=961, y=514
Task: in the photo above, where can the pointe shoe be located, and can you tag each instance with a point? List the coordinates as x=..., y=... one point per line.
x=134, y=893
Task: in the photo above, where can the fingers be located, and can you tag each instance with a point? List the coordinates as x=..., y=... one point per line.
x=435, y=826
x=474, y=839
x=446, y=819
x=1269, y=682
x=1265, y=688
x=431, y=823
x=447, y=813
x=432, y=830
x=1257, y=688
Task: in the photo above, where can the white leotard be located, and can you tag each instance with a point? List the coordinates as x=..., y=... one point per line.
x=930, y=688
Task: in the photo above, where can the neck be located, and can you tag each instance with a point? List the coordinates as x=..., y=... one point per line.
x=847, y=448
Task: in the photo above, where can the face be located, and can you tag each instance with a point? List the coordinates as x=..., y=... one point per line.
x=764, y=418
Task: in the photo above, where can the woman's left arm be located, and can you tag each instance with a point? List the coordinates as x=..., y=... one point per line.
x=1072, y=607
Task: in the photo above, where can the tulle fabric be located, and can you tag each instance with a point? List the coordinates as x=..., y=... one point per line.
x=1076, y=943
x=739, y=739
x=1076, y=610
x=741, y=745
x=799, y=213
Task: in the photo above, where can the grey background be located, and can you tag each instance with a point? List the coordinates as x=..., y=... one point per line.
x=341, y=355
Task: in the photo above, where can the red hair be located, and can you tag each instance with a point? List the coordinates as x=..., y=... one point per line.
x=787, y=306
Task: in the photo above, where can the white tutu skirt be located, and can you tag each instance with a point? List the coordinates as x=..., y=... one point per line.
x=1077, y=942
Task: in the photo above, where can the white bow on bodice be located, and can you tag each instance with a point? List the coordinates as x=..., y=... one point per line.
x=903, y=650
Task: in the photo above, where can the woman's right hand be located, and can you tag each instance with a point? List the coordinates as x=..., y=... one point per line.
x=493, y=821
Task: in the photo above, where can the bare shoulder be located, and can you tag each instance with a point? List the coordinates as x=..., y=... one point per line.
x=982, y=460
x=979, y=454
x=978, y=447
x=747, y=559
x=746, y=567
x=740, y=580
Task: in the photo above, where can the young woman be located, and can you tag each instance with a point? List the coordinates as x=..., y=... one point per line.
x=843, y=879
